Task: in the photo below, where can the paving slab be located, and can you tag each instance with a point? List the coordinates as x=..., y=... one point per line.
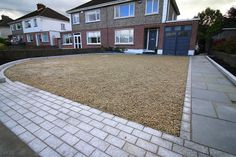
x=213, y=108
x=203, y=107
x=214, y=133
x=227, y=113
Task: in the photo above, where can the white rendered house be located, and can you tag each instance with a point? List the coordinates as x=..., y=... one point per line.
x=41, y=27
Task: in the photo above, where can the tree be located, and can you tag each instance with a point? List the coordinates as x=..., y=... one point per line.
x=231, y=13
x=211, y=21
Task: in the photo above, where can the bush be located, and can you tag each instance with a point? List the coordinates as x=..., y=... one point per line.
x=227, y=46
x=3, y=41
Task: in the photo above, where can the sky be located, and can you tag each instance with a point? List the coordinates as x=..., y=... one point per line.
x=188, y=8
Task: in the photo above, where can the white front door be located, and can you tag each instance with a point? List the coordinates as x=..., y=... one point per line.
x=77, y=41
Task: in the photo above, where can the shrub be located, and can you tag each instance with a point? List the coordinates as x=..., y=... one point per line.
x=3, y=41
x=227, y=46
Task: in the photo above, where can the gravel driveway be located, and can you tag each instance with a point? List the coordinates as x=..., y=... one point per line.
x=146, y=89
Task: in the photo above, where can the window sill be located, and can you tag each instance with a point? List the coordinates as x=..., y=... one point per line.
x=92, y=21
x=127, y=44
x=89, y=44
x=146, y=14
x=67, y=44
x=126, y=17
x=75, y=23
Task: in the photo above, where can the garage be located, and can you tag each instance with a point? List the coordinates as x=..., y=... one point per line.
x=177, y=40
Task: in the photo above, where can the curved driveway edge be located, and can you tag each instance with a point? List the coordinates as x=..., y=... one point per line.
x=54, y=126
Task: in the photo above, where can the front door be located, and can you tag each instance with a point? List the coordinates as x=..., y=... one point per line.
x=38, y=39
x=77, y=41
x=152, y=39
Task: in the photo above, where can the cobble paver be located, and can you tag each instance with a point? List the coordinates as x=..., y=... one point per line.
x=54, y=126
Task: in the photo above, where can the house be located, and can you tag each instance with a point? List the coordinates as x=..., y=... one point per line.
x=40, y=28
x=5, y=30
x=138, y=26
x=228, y=31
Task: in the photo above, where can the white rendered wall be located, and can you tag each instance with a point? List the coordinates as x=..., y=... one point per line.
x=46, y=24
x=32, y=28
x=49, y=24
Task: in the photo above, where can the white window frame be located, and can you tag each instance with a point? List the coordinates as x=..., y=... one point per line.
x=16, y=28
x=28, y=38
x=97, y=12
x=35, y=23
x=28, y=24
x=43, y=38
x=67, y=36
x=63, y=26
x=13, y=27
x=126, y=29
x=97, y=38
x=119, y=17
x=146, y=13
x=77, y=16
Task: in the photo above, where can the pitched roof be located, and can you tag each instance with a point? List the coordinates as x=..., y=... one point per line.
x=45, y=12
x=91, y=3
x=98, y=2
x=5, y=20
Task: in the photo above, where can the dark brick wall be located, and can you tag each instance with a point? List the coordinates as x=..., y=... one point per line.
x=12, y=55
x=108, y=35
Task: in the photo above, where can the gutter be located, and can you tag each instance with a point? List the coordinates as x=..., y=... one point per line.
x=98, y=6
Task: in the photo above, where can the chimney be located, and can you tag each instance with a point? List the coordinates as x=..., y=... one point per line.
x=4, y=17
x=40, y=6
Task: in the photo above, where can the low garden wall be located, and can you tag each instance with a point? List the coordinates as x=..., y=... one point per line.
x=12, y=55
x=227, y=58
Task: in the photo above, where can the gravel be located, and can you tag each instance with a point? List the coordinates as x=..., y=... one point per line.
x=145, y=89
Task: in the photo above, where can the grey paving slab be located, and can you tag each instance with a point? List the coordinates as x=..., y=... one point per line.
x=214, y=96
x=213, y=118
x=226, y=112
x=203, y=107
x=214, y=133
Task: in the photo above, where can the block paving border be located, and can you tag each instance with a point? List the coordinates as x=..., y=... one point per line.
x=54, y=126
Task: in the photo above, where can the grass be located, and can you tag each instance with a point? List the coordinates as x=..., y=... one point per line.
x=145, y=89
x=2, y=46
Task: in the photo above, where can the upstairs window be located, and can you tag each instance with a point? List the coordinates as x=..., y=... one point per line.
x=18, y=26
x=13, y=27
x=94, y=37
x=29, y=38
x=63, y=26
x=35, y=23
x=92, y=16
x=152, y=6
x=75, y=18
x=45, y=37
x=124, y=10
x=27, y=24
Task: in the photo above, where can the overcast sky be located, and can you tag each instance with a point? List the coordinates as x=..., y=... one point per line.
x=188, y=8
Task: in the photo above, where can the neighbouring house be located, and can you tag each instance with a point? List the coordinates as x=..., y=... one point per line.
x=137, y=26
x=40, y=28
x=5, y=30
x=228, y=31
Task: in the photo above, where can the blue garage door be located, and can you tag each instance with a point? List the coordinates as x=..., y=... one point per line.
x=177, y=40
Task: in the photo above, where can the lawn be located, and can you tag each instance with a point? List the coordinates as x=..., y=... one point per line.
x=2, y=46
x=145, y=89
